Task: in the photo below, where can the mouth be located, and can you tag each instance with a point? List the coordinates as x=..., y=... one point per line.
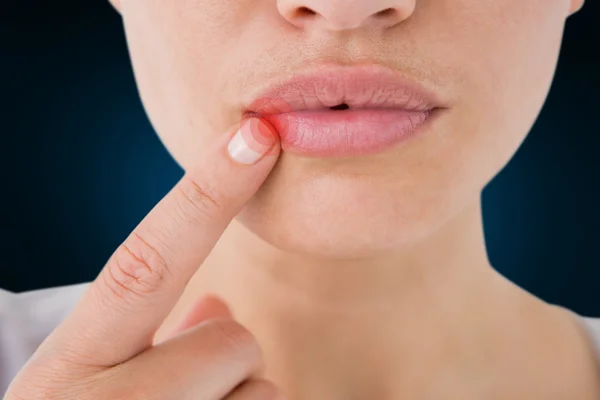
x=335, y=111
x=342, y=106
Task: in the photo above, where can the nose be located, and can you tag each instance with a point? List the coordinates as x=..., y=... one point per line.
x=346, y=14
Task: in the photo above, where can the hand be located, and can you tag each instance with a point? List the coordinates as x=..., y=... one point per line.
x=103, y=350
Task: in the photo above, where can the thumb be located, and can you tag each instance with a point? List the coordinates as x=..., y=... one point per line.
x=207, y=307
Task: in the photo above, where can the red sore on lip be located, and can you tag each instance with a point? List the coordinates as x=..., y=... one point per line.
x=265, y=107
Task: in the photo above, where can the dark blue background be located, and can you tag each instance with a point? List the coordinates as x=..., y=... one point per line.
x=81, y=166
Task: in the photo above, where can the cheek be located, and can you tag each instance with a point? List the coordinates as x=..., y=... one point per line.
x=503, y=54
x=178, y=69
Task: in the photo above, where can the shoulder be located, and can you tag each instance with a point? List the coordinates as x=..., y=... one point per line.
x=26, y=319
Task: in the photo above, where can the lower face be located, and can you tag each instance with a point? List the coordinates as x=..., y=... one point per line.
x=492, y=60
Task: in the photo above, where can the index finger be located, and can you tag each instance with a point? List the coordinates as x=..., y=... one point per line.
x=120, y=312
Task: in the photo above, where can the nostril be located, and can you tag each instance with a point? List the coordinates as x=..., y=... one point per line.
x=304, y=11
x=385, y=13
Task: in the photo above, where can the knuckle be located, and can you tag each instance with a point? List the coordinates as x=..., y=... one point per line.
x=45, y=382
x=263, y=389
x=199, y=200
x=135, y=269
x=231, y=336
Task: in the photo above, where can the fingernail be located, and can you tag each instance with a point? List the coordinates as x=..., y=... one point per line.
x=251, y=142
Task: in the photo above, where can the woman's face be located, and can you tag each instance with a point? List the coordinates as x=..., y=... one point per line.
x=491, y=61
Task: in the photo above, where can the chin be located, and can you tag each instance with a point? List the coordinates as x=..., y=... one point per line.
x=317, y=209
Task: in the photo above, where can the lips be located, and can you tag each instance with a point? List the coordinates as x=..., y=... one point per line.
x=336, y=111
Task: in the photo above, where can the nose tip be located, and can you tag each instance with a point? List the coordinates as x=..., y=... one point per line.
x=343, y=14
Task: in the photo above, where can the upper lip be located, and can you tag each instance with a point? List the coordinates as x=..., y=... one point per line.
x=324, y=86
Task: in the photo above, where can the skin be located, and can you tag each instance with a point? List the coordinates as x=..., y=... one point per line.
x=398, y=257
x=391, y=294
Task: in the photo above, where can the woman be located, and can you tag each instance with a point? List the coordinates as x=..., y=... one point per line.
x=335, y=153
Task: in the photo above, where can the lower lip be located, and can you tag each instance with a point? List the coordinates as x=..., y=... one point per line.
x=343, y=133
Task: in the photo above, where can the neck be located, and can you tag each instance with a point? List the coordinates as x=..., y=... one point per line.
x=321, y=321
